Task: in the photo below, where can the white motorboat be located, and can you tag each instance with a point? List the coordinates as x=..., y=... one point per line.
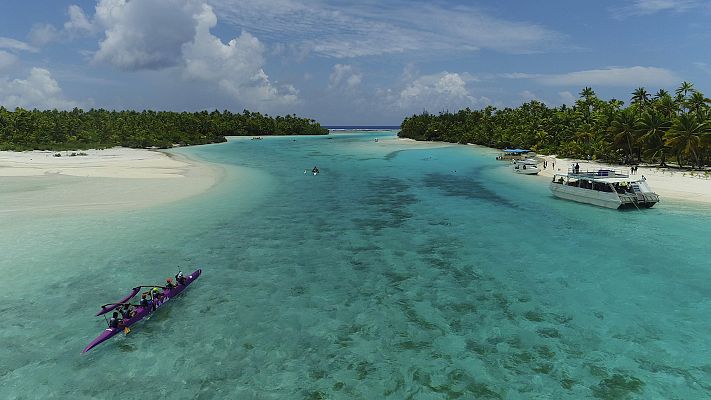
x=526, y=167
x=604, y=188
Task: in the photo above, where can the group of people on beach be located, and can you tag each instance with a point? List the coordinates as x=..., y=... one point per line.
x=149, y=299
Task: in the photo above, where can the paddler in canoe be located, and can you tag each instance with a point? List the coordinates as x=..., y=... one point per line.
x=180, y=278
x=169, y=283
x=144, y=302
x=115, y=321
x=127, y=311
x=149, y=302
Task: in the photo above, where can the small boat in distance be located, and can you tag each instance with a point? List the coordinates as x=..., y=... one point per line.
x=527, y=167
x=140, y=311
x=604, y=188
x=515, y=154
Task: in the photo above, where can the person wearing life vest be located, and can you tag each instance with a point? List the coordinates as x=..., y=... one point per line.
x=115, y=322
x=144, y=301
x=126, y=311
x=169, y=283
x=180, y=278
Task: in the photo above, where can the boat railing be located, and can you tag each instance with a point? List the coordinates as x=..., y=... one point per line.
x=596, y=173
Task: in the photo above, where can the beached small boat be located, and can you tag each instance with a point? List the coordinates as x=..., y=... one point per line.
x=604, y=188
x=515, y=154
x=526, y=167
x=141, y=312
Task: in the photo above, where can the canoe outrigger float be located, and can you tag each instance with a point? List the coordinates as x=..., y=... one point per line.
x=141, y=312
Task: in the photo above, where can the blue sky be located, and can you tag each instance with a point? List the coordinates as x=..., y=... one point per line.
x=345, y=62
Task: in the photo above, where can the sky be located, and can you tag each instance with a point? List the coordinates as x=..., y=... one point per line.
x=343, y=62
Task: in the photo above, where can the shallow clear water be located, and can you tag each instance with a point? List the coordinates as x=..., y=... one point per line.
x=401, y=271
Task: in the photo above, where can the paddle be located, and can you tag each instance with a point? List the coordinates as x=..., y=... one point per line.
x=119, y=304
x=109, y=307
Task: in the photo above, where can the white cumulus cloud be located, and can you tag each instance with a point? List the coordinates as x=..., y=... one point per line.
x=78, y=24
x=140, y=35
x=38, y=90
x=78, y=21
x=344, y=75
x=145, y=34
x=236, y=67
x=6, y=60
x=438, y=92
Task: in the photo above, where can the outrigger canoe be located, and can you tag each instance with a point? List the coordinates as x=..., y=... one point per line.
x=141, y=312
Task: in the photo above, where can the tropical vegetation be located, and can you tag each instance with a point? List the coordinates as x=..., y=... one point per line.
x=660, y=128
x=78, y=129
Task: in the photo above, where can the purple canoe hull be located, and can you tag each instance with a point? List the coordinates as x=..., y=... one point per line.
x=142, y=312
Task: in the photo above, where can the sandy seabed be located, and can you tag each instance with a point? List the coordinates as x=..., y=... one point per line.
x=110, y=179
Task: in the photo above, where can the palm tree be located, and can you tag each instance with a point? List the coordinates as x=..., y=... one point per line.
x=587, y=93
x=640, y=96
x=685, y=137
x=667, y=106
x=654, y=126
x=684, y=89
x=660, y=93
x=624, y=129
x=697, y=102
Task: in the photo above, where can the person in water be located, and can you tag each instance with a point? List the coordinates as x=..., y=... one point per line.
x=315, y=170
x=169, y=283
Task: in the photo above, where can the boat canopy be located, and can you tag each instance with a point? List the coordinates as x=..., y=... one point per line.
x=603, y=179
x=516, y=151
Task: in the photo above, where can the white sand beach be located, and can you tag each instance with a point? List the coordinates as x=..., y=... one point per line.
x=110, y=179
x=668, y=183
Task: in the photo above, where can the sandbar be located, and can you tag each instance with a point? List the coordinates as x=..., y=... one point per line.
x=110, y=179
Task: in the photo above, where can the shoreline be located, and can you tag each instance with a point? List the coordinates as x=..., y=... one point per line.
x=668, y=183
x=101, y=180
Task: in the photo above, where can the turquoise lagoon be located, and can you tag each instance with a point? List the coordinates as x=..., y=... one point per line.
x=401, y=271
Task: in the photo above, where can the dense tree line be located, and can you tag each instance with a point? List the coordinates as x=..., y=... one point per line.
x=661, y=128
x=77, y=129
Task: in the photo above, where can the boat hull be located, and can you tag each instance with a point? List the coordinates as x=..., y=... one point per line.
x=594, y=197
x=142, y=312
x=527, y=171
